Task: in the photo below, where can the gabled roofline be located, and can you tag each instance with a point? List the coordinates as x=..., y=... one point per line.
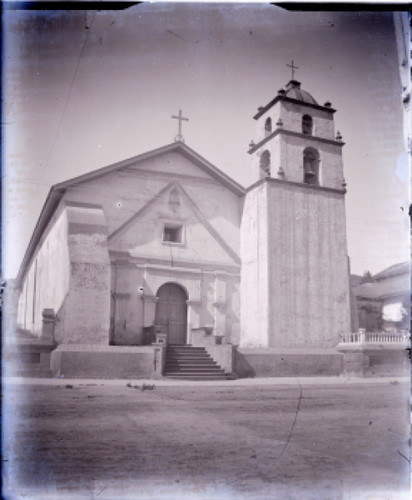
x=49, y=208
x=186, y=151
x=393, y=270
x=57, y=191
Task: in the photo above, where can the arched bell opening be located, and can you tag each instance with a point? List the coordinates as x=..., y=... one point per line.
x=268, y=126
x=265, y=164
x=307, y=125
x=311, y=161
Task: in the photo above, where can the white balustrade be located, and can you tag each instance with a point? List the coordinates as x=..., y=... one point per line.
x=362, y=337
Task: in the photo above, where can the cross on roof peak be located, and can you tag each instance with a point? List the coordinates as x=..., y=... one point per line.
x=292, y=67
x=181, y=118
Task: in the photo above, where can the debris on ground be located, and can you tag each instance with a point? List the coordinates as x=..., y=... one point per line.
x=144, y=387
x=148, y=387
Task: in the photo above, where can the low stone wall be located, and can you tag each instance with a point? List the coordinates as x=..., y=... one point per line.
x=106, y=362
x=377, y=360
x=223, y=354
x=254, y=362
x=27, y=357
x=385, y=364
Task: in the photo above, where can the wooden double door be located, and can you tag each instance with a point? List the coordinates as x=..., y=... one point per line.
x=171, y=312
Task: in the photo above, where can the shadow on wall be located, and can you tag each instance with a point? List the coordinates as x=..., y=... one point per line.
x=242, y=367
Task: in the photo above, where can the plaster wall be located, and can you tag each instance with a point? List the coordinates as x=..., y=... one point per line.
x=287, y=152
x=70, y=274
x=291, y=116
x=124, y=192
x=331, y=163
x=210, y=216
x=134, y=300
x=104, y=362
x=274, y=113
x=288, y=362
x=254, y=286
x=46, y=284
x=144, y=237
x=86, y=316
x=127, y=306
x=308, y=267
x=276, y=160
x=323, y=124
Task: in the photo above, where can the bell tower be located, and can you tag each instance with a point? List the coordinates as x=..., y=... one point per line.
x=296, y=140
x=295, y=281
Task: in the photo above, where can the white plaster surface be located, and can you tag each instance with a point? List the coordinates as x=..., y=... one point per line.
x=294, y=286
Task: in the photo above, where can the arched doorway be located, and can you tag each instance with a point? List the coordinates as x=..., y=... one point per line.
x=171, y=312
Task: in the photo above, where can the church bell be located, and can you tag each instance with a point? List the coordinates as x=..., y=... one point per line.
x=310, y=173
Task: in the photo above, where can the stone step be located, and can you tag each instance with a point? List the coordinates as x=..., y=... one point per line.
x=191, y=363
x=187, y=355
x=183, y=364
x=212, y=369
x=198, y=377
x=185, y=349
x=195, y=362
x=189, y=358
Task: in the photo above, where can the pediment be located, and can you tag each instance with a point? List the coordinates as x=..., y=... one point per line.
x=150, y=232
x=172, y=158
x=170, y=163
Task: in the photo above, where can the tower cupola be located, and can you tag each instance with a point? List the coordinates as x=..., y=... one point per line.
x=293, y=90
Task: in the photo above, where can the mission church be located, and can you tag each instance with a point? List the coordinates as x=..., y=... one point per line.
x=164, y=250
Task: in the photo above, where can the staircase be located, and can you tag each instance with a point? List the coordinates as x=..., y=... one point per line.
x=186, y=362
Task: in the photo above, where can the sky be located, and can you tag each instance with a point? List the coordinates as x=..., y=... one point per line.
x=85, y=89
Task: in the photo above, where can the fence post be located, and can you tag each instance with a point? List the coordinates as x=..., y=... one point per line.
x=362, y=335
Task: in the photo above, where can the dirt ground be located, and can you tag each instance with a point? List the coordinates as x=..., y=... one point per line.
x=234, y=442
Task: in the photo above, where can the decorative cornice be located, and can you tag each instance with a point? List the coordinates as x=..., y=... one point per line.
x=78, y=204
x=278, y=98
x=124, y=259
x=291, y=133
x=193, y=302
x=120, y=295
x=150, y=298
x=296, y=184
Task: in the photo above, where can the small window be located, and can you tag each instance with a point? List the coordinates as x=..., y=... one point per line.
x=172, y=233
x=268, y=126
x=307, y=124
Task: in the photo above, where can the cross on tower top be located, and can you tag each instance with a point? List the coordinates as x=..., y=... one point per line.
x=292, y=67
x=181, y=118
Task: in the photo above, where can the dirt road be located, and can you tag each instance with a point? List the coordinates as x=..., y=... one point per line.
x=113, y=442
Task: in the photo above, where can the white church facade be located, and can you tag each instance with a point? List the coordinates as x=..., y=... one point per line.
x=166, y=244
